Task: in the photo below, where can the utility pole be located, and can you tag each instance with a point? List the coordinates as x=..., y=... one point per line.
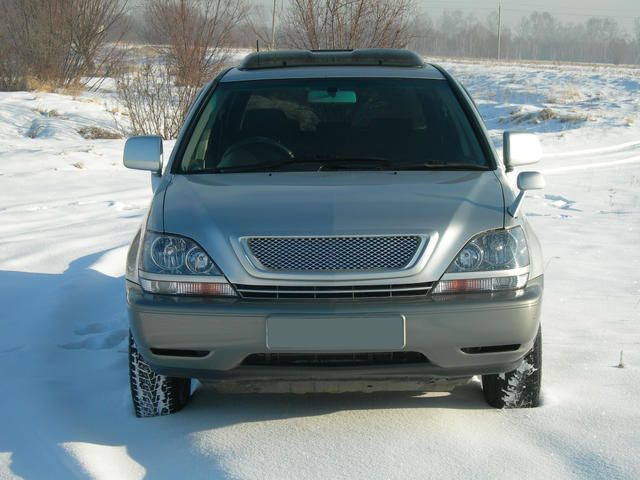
x=499, y=27
x=273, y=26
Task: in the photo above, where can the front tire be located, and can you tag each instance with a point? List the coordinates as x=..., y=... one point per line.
x=519, y=388
x=154, y=394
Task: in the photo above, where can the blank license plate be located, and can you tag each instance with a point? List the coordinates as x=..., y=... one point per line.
x=329, y=333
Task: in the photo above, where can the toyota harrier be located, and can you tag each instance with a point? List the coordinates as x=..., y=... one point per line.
x=334, y=221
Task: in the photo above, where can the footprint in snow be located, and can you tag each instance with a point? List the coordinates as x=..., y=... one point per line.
x=120, y=206
x=11, y=349
x=36, y=208
x=98, y=342
x=614, y=212
x=123, y=206
x=563, y=203
x=91, y=329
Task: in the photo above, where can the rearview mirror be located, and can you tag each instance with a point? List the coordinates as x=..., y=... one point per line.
x=520, y=149
x=332, y=95
x=144, y=153
x=526, y=181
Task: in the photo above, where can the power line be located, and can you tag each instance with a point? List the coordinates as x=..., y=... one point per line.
x=499, y=26
x=273, y=26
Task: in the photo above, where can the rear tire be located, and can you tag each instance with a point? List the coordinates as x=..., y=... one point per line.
x=519, y=388
x=154, y=394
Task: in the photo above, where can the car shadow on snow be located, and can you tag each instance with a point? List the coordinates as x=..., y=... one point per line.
x=63, y=350
x=246, y=407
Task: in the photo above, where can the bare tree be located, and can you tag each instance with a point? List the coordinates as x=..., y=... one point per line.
x=90, y=28
x=259, y=28
x=11, y=71
x=197, y=33
x=339, y=24
x=58, y=41
x=156, y=106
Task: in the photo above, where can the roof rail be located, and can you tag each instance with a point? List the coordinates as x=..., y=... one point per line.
x=367, y=57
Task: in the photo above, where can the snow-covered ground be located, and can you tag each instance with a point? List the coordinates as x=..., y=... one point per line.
x=68, y=210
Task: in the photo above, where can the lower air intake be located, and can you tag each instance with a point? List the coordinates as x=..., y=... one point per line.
x=166, y=352
x=334, y=359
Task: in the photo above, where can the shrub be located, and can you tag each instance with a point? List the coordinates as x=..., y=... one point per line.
x=11, y=70
x=98, y=133
x=155, y=104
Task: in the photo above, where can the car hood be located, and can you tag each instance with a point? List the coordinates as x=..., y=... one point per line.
x=448, y=206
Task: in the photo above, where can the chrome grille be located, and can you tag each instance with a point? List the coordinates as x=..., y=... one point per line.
x=277, y=292
x=295, y=254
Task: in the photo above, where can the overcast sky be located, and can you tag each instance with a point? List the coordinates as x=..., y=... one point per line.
x=576, y=11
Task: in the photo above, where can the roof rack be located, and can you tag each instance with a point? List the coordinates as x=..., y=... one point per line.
x=364, y=57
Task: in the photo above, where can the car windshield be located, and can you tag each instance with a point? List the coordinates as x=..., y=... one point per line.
x=332, y=124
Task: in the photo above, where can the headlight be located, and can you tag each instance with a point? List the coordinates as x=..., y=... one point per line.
x=492, y=261
x=176, y=265
x=496, y=250
x=175, y=255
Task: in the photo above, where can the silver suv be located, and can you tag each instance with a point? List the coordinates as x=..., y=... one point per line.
x=334, y=221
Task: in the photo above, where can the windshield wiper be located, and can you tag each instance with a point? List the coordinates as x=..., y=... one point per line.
x=256, y=167
x=441, y=166
x=352, y=163
x=326, y=163
x=333, y=163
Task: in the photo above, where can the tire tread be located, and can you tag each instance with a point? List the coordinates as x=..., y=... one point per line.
x=153, y=394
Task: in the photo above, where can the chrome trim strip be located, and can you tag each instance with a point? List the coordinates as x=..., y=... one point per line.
x=276, y=292
x=352, y=290
x=486, y=274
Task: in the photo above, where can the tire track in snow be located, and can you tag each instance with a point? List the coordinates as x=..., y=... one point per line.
x=595, y=155
x=588, y=166
x=594, y=151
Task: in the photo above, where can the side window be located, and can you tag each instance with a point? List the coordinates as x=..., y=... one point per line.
x=196, y=151
x=449, y=133
x=470, y=97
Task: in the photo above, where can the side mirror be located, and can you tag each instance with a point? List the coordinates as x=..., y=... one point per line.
x=520, y=149
x=144, y=153
x=526, y=181
x=530, y=181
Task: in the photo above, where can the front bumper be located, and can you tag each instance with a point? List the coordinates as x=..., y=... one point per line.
x=438, y=327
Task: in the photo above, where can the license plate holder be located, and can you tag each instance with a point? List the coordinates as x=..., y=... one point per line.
x=336, y=333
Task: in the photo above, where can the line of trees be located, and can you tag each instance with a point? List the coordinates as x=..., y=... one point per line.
x=351, y=23
x=538, y=36
x=62, y=42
